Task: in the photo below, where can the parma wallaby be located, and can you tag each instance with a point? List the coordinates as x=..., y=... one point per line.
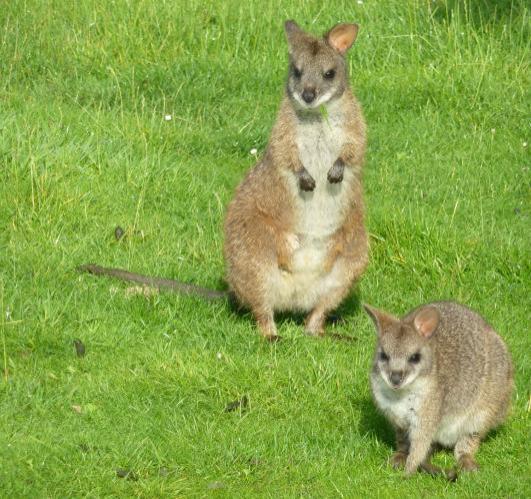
x=442, y=376
x=294, y=233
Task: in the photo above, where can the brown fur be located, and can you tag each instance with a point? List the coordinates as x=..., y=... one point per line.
x=263, y=215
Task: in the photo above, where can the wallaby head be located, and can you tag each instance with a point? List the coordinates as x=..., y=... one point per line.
x=317, y=66
x=404, y=350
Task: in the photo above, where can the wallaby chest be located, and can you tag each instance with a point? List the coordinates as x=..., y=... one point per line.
x=402, y=407
x=319, y=213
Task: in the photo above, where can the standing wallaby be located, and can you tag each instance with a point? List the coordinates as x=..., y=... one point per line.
x=443, y=376
x=294, y=233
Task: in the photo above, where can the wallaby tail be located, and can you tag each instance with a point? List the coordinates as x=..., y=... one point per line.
x=155, y=282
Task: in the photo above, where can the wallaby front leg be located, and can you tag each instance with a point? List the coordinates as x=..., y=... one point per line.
x=419, y=448
x=286, y=153
x=398, y=459
x=350, y=155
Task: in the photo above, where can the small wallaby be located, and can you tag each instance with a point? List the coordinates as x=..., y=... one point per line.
x=294, y=232
x=442, y=376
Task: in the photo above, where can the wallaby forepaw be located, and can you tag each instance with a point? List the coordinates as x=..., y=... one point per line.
x=306, y=181
x=335, y=174
x=451, y=475
x=398, y=460
x=313, y=333
x=467, y=463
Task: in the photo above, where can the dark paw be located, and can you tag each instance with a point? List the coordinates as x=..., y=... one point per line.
x=467, y=463
x=398, y=460
x=451, y=475
x=306, y=181
x=273, y=338
x=335, y=174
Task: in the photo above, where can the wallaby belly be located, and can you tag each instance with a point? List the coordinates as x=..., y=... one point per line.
x=455, y=427
x=302, y=289
x=319, y=214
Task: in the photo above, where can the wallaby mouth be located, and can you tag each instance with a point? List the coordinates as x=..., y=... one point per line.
x=395, y=380
x=311, y=99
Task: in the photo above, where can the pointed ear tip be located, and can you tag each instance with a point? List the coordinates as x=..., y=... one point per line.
x=432, y=310
x=355, y=30
x=290, y=24
x=373, y=313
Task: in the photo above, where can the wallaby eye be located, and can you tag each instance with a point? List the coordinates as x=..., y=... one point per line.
x=330, y=74
x=297, y=72
x=383, y=356
x=415, y=358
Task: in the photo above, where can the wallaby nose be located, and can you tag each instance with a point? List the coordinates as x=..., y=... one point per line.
x=308, y=95
x=396, y=377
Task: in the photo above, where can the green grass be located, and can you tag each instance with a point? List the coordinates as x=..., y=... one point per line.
x=84, y=147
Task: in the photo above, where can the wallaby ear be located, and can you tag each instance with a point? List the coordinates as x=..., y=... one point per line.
x=426, y=321
x=292, y=29
x=381, y=319
x=342, y=36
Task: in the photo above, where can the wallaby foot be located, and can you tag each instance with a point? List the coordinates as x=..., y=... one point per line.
x=467, y=463
x=465, y=450
x=266, y=324
x=431, y=469
x=314, y=324
x=398, y=460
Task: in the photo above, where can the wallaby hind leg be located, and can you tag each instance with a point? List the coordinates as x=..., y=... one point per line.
x=344, y=272
x=266, y=323
x=315, y=321
x=314, y=324
x=346, y=260
x=465, y=450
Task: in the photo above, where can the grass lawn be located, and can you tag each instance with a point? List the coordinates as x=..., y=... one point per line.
x=85, y=146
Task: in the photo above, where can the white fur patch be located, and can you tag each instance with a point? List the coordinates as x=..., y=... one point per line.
x=321, y=213
x=400, y=406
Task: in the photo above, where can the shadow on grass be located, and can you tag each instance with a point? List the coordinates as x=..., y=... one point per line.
x=478, y=13
x=373, y=423
x=349, y=307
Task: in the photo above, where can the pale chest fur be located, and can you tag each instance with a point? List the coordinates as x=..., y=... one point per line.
x=318, y=214
x=319, y=144
x=402, y=407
